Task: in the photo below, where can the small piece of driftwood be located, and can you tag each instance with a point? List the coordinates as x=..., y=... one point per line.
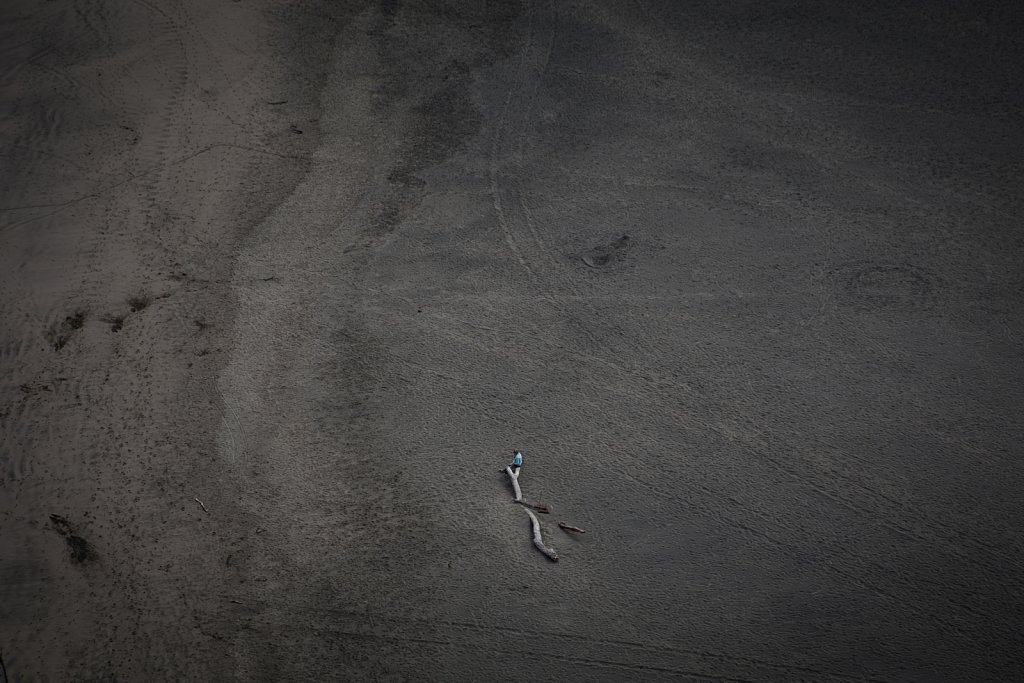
x=201, y=504
x=538, y=540
x=570, y=527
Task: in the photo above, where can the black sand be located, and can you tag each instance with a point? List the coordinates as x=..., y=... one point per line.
x=285, y=283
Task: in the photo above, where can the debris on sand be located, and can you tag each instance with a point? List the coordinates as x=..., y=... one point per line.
x=60, y=334
x=81, y=551
x=139, y=302
x=538, y=540
x=605, y=254
x=570, y=527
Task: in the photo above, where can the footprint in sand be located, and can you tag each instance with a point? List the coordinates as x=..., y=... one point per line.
x=605, y=255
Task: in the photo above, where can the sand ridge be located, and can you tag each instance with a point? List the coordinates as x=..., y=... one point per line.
x=140, y=145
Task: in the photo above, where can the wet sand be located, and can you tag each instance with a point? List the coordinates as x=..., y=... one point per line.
x=285, y=284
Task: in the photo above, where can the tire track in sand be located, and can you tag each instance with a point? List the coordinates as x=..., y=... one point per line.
x=509, y=145
x=716, y=502
x=591, y=651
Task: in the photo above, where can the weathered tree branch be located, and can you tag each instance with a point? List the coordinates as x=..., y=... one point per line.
x=538, y=540
x=515, y=484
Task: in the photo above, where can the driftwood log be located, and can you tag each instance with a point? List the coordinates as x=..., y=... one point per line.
x=538, y=540
x=515, y=485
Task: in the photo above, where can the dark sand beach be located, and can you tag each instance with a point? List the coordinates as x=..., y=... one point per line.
x=282, y=286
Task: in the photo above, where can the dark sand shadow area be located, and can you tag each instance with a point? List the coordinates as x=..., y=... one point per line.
x=285, y=283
